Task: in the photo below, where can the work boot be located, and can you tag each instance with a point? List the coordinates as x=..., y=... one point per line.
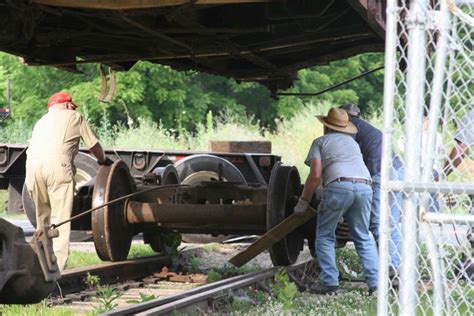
x=373, y=291
x=322, y=289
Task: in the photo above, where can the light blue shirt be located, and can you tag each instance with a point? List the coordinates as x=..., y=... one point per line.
x=340, y=156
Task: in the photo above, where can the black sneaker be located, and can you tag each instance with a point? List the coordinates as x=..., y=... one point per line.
x=322, y=289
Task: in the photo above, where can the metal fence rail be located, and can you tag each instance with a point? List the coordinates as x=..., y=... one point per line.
x=428, y=118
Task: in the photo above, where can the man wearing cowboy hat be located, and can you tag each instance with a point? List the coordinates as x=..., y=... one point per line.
x=336, y=160
x=49, y=166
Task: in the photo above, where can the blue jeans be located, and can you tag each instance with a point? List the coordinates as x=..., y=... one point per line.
x=351, y=200
x=395, y=200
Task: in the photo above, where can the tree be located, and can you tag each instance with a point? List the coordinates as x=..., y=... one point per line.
x=180, y=100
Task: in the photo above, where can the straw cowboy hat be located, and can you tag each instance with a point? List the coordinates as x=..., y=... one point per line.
x=338, y=120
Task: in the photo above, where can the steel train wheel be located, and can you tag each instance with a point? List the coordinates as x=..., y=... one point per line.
x=283, y=189
x=166, y=243
x=202, y=167
x=111, y=232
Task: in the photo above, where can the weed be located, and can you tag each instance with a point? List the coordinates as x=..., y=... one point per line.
x=106, y=297
x=193, y=265
x=348, y=262
x=92, y=281
x=143, y=298
x=284, y=290
x=213, y=276
x=228, y=270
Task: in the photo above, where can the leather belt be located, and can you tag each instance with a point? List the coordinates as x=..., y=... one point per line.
x=358, y=180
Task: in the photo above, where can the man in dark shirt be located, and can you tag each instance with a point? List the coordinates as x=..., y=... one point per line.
x=369, y=139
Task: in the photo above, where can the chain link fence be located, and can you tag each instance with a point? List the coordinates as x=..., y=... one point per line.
x=427, y=212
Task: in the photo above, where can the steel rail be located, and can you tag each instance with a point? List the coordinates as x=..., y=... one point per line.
x=73, y=280
x=203, y=293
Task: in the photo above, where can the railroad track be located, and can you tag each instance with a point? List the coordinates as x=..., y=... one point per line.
x=210, y=296
x=72, y=281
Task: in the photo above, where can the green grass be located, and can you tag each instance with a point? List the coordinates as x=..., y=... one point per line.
x=78, y=259
x=354, y=302
x=40, y=309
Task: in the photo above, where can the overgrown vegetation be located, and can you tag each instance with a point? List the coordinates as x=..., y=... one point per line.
x=180, y=100
x=284, y=290
x=229, y=270
x=41, y=309
x=143, y=298
x=106, y=296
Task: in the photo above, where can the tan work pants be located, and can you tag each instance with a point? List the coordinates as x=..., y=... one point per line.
x=50, y=183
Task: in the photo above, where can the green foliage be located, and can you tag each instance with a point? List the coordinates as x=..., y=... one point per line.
x=229, y=270
x=348, y=262
x=139, y=250
x=213, y=276
x=106, y=297
x=284, y=290
x=79, y=259
x=143, y=298
x=92, y=281
x=41, y=309
x=181, y=100
x=193, y=265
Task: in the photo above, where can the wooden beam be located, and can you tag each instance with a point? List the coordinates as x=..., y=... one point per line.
x=136, y=4
x=371, y=12
x=272, y=236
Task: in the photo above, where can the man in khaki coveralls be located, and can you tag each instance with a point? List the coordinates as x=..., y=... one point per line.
x=49, y=167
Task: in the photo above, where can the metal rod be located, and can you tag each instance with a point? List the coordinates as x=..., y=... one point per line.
x=429, y=153
x=415, y=22
x=312, y=94
x=115, y=201
x=436, y=187
x=442, y=218
x=198, y=214
x=388, y=111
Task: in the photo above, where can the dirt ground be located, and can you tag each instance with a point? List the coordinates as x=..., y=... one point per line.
x=207, y=256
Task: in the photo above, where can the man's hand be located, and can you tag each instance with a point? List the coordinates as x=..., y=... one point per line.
x=301, y=207
x=106, y=162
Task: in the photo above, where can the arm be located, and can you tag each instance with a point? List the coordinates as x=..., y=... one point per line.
x=455, y=157
x=98, y=152
x=313, y=180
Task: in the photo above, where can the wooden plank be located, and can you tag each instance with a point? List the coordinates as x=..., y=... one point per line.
x=135, y=4
x=223, y=146
x=272, y=236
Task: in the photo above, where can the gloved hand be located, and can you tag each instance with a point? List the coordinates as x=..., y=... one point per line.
x=106, y=162
x=301, y=207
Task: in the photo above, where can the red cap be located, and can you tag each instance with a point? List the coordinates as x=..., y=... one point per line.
x=60, y=97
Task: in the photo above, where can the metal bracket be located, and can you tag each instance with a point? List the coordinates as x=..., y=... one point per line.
x=42, y=244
